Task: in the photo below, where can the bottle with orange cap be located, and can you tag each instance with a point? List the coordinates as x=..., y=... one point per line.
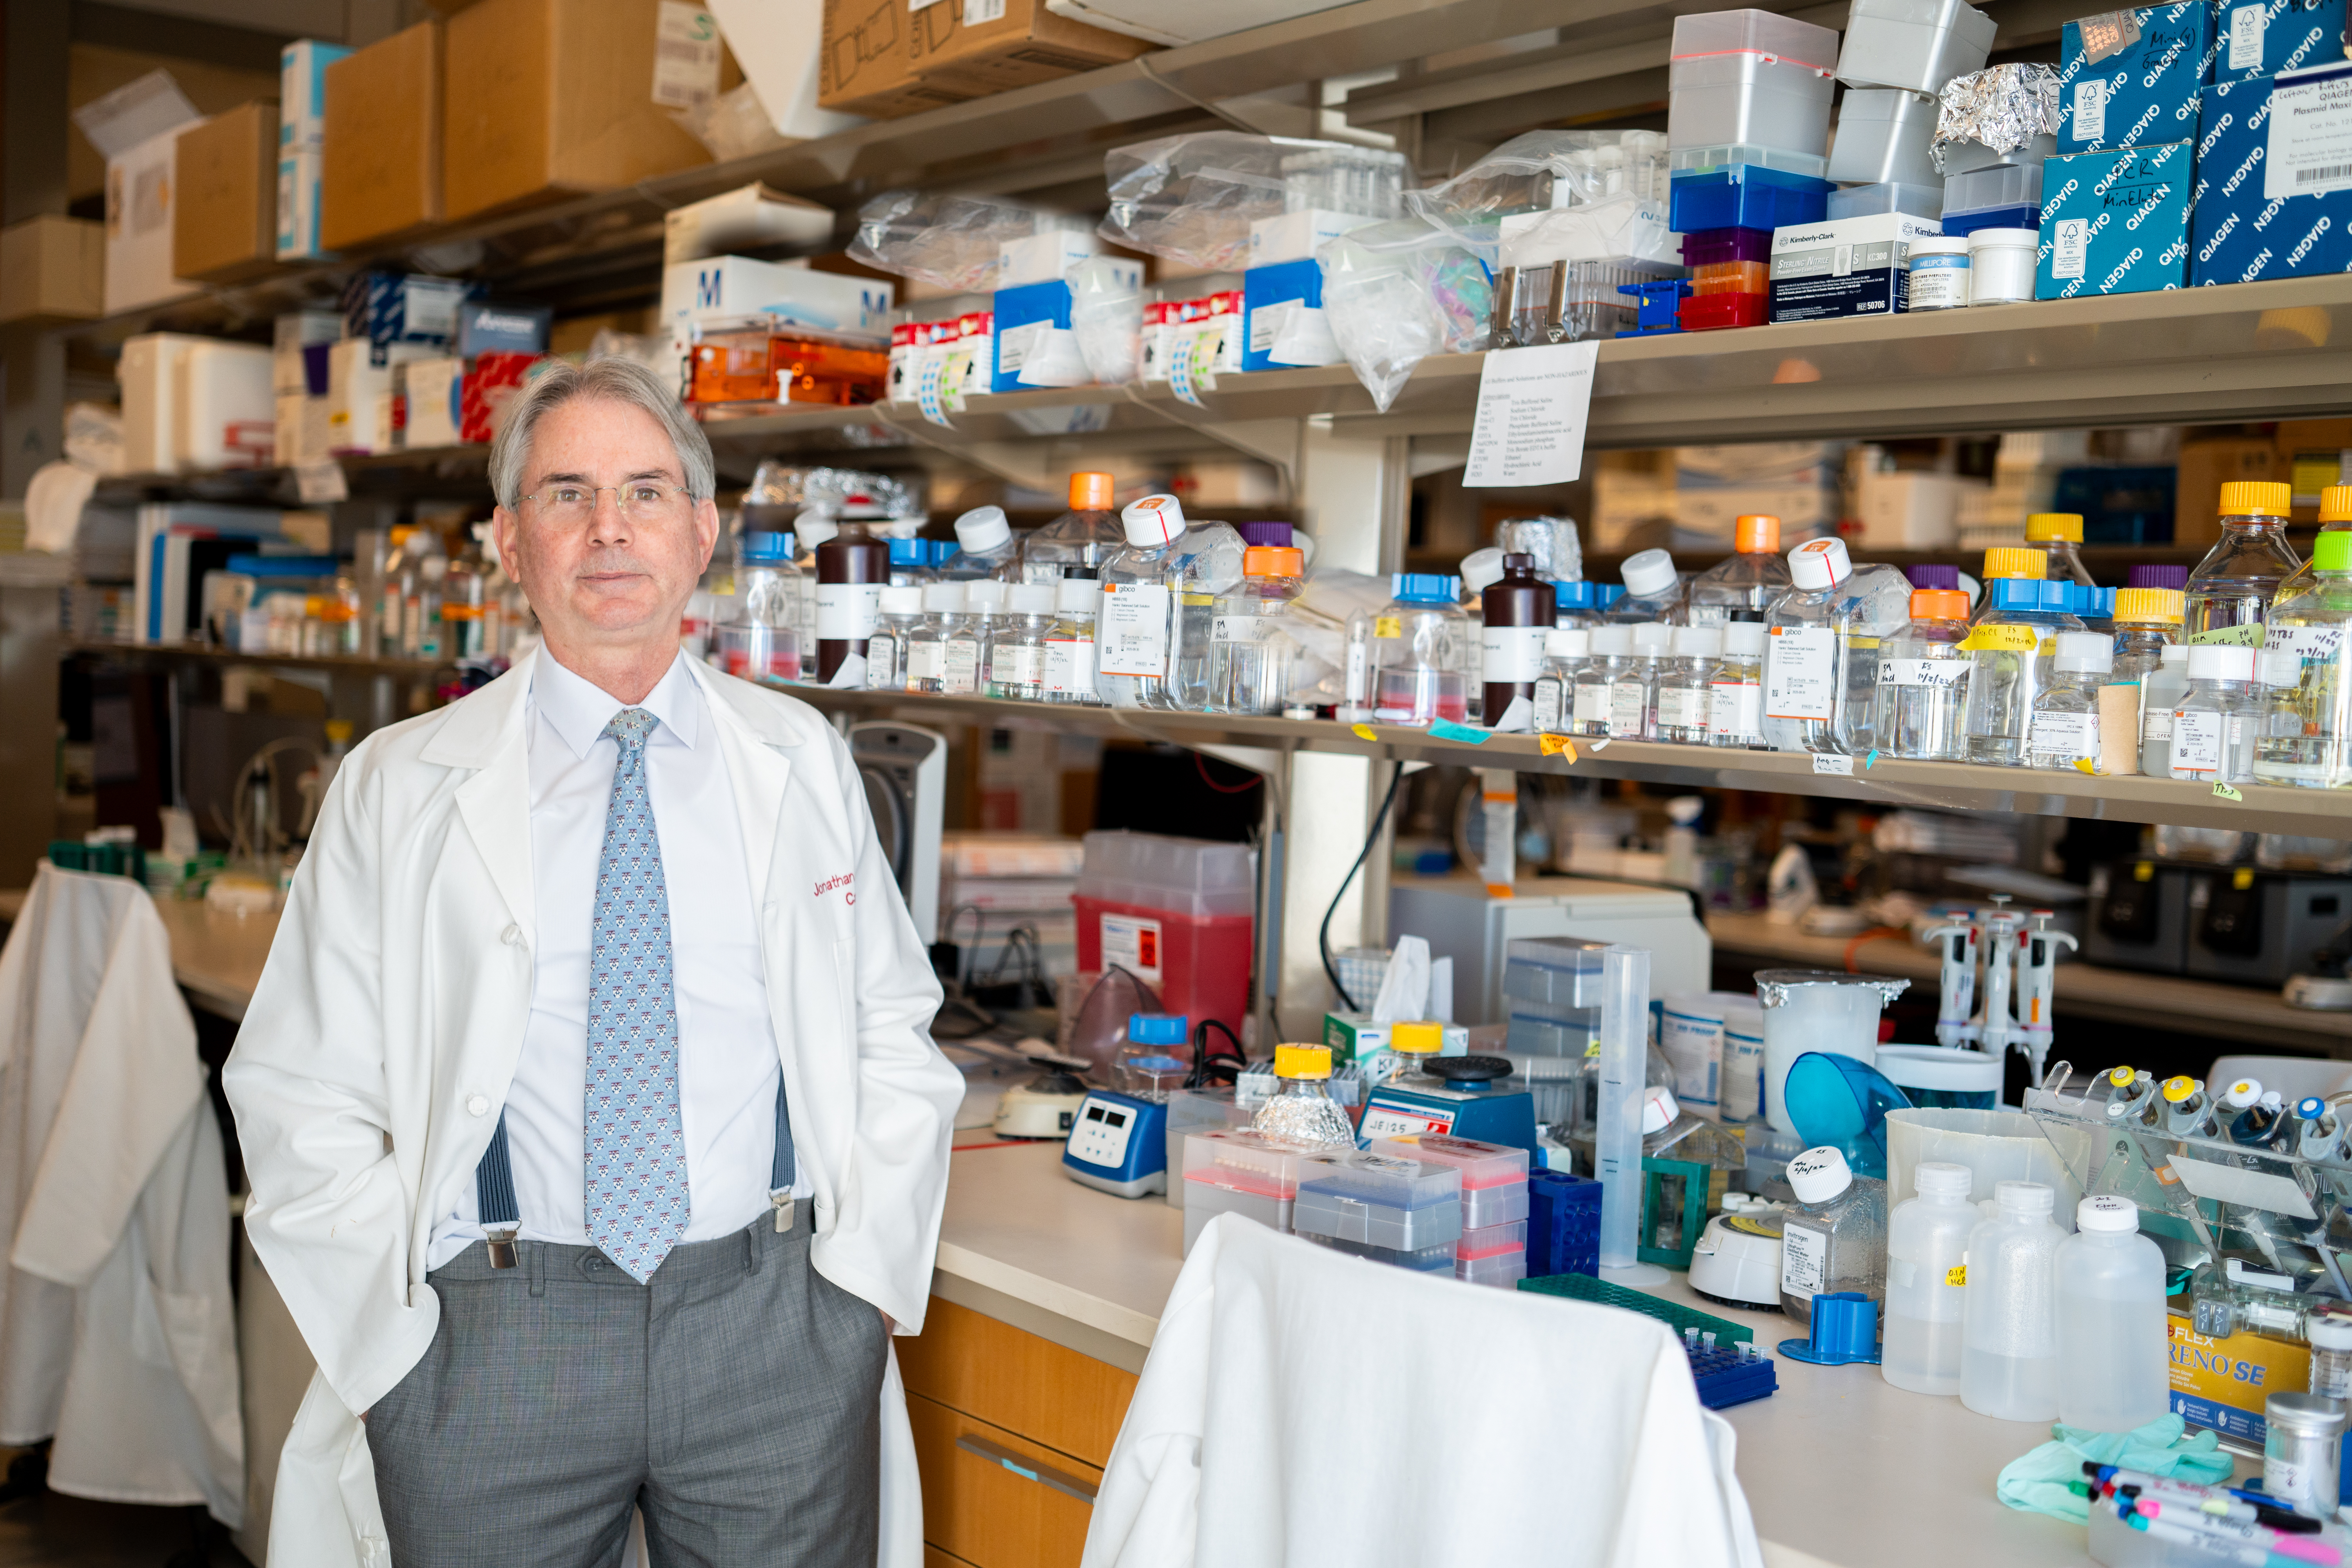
x=1923, y=679
x=2234, y=585
x=1742, y=586
x=1086, y=535
x=1250, y=646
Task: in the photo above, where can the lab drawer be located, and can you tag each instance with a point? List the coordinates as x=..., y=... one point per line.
x=994, y=1498
x=1016, y=1379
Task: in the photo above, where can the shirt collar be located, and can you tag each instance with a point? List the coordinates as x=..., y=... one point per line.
x=578, y=709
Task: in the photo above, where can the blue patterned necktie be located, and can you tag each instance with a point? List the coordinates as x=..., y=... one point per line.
x=636, y=1187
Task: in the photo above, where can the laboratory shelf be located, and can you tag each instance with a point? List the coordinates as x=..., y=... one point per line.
x=1941, y=786
x=197, y=653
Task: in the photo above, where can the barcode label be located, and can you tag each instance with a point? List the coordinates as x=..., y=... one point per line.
x=976, y=12
x=2329, y=171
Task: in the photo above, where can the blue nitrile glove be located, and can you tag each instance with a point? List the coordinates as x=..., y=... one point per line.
x=2038, y=1479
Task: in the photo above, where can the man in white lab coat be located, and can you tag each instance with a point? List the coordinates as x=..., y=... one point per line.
x=596, y=1138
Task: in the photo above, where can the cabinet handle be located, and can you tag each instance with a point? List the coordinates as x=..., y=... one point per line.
x=1027, y=1468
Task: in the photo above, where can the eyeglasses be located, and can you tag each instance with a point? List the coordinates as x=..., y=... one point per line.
x=639, y=500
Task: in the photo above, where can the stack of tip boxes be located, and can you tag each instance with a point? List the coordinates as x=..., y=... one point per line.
x=1240, y=1172
x=1492, y=1248
x=1387, y=1207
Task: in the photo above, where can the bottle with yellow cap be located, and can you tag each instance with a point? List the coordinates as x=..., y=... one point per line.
x=1086, y=535
x=2148, y=621
x=1415, y=1044
x=2059, y=536
x=1302, y=1109
x=2313, y=624
x=2234, y=585
x=1742, y=586
x=2010, y=648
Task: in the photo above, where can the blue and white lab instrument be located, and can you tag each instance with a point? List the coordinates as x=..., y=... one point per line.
x=1467, y=1097
x=1119, y=1143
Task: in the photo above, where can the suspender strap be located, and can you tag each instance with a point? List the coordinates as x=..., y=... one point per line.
x=781, y=1172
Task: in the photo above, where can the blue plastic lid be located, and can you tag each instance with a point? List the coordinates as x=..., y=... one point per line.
x=766, y=547
x=2028, y=595
x=1607, y=593
x=938, y=552
x=1426, y=588
x=910, y=552
x=283, y=565
x=1156, y=1028
x=1842, y=1102
x=1572, y=596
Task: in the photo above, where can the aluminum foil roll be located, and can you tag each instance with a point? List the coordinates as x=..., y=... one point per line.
x=1772, y=985
x=2003, y=107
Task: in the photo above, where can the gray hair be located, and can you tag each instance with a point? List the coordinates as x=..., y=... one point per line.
x=611, y=378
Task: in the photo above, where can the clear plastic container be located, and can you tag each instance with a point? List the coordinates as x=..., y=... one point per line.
x=2234, y=585
x=1188, y=876
x=1159, y=606
x=1206, y=1199
x=1503, y=1271
x=1997, y=189
x=986, y=546
x=1613, y=654
x=1883, y=134
x=1016, y=649
x=2334, y=517
x=927, y=644
x=2010, y=648
x=1750, y=76
x=1191, y=1110
x=1494, y=1175
x=1922, y=681
x=1566, y=648
x=1436, y=1259
x=2064, y=730
x=1250, y=646
x=2148, y=621
x=2113, y=1346
x=1487, y=1240
x=2214, y=724
x=886, y=651
x=1889, y=196
x=2160, y=691
x=2331, y=1355
x=1086, y=535
x=1379, y=1199
x=1724, y=155
x=2059, y=536
x=1070, y=644
x=1917, y=44
x=1417, y=653
x=1653, y=591
x=1927, y=1251
x=1822, y=646
x=1301, y=1110
x=1834, y=1237
x=761, y=641
x=1686, y=690
x=2009, y=1340
x=2314, y=622
x=1245, y=1160
x=1742, y=586
x=1633, y=686
x=1735, y=707
x=2278, y=728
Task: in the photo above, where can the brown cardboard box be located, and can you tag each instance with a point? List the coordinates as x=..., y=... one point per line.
x=382, y=178
x=866, y=68
x=2310, y=457
x=1023, y=45
x=2204, y=467
x=225, y=223
x=553, y=98
x=53, y=270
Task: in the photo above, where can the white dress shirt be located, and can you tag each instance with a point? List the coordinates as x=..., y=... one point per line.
x=728, y=1071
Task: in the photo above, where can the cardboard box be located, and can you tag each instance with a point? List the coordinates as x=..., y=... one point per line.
x=356, y=382
x=383, y=308
x=547, y=99
x=1044, y=258
x=2204, y=467
x=147, y=373
x=222, y=407
x=974, y=47
x=2144, y=92
x=301, y=142
x=2221, y=1384
x=381, y=180
x=2263, y=38
x=866, y=67
x=1293, y=236
x=225, y=222
x=1911, y=511
x=2311, y=458
x=1850, y=267
x=2115, y=223
x=745, y=218
x=2247, y=224
x=53, y=270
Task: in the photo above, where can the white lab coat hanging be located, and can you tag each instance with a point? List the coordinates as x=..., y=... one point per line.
x=387, y=1023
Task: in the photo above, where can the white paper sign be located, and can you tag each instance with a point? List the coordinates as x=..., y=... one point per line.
x=318, y=483
x=1532, y=405
x=2309, y=152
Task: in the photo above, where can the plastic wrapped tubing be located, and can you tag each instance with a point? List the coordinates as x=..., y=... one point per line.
x=1542, y=171
x=945, y=240
x=2003, y=107
x=1192, y=198
x=1395, y=293
x=1107, y=314
x=1617, y=1150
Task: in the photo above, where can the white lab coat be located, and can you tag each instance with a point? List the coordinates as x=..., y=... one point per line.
x=1301, y=1408
x=117, y=1326
x=383, y=1035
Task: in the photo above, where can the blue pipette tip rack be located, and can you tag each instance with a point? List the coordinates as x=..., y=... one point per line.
x=1844, y=1332
x=1725, y=1379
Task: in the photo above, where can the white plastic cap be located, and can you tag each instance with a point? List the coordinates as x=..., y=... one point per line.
x=943, y=598
x=2244, y=1092
x=1076, y=594
x=2220, y=661
x=1154, y=520
x=2280, y=667
x=2172, y=653
x=1031, y=598
x=2028, y=1198
x=2328, y=1331
x=1658, y=1108
x=904, y=601
x=1743, y=639
x=2106, y=1213
x=1698, y=642
x=2084, y=651
x=1937, y=1179
x=1613, y=642
x=814, y=528
x=982, y=528
x=984, y=596
x=1567, y=642
x=1481, y=568
x=1819, y=563
x=1653, y=639
x=1648, y=572
x=1817, y=1175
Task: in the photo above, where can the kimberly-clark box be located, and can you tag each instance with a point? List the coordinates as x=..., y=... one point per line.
x=1853, y=267
x=2273, y=197
x=2144, y=92
x=2263, y=38
x=2115, y=223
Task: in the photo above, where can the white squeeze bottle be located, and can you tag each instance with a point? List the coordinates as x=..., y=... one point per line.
x=2113, y=1351
x=1926, y=1247
x=2008, y=1343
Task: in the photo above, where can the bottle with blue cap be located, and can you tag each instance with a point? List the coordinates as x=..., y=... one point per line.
x=1156, y=1057
x=760, y=639
x=1408, y=661
x=2012, y=649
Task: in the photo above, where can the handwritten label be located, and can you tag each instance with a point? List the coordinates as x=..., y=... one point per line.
x=1830, y=763
x=1556, y=746
x=2226, y=792
x=2248, y=634
x=1532, y=405
x=2000, y=638
x=1469, y=735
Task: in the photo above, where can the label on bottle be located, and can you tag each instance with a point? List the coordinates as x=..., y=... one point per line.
x=1628, y=707
x=1800, y=672
x=1591, y=703
x=1944, y=673
x=1957, y=1276
x=1021, y=664
x=2318, y=643
x=2156, y=723
x=882, y=664
x=1069, y=665
x=1360, y=673
x=1388, y=627
x=1131, y=630
x=1735, y=708
x=1548, y=692
x=847, y=611
x=2002, y=637
x=2058, y=738
x=1511, y=654
x=926, y=660
x=1804, y=1259
x=1241, y=628
x=2198, y=737
x=2285, y=1477
x=960, y=675
x=1682, y=708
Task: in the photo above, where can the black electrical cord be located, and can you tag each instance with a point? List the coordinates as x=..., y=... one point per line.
x=1199, y=1077
x=1323, y=932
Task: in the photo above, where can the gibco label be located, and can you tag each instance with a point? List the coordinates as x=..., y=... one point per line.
x=1800, y=672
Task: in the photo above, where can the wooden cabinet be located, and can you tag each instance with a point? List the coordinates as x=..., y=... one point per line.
x=1010, y=1433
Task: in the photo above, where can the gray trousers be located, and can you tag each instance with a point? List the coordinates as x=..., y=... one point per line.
x=734, y=1397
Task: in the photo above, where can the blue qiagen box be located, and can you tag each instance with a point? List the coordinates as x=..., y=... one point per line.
x=2263, y=38
x=2271, y=200
x=2115, y=223
x=2143, y=93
